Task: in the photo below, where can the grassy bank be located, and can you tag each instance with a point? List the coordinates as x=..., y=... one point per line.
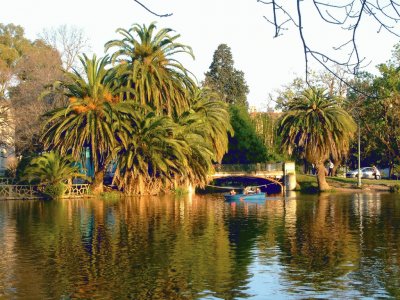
x=308, y=183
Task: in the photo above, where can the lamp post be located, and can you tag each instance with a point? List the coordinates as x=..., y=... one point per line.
x=359, y=154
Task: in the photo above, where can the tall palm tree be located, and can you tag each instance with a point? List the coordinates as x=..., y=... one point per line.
x=145, y=60
x=89, y=121
x=318, y=128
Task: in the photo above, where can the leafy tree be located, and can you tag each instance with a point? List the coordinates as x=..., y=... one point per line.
x=37, y=69
x=146, y=64
x=223, y=78
x=378, y=109
x=89, y=121
x=245, y=146
x=265, y=126
x=316, y=127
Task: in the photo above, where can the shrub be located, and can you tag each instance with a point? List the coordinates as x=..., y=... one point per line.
x=395, y=188
x=54, y=191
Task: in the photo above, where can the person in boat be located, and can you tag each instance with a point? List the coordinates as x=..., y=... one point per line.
x=232, y=192
x=258, y=191
x=248, y=190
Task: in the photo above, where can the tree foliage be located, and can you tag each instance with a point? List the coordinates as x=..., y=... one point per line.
x=89, y=120
x=223, y=78
x=375, y=104
x=52, y=168
x=142, y=112
x=316, y=127
x=245, y=146
x=146, y=64
x=26, y=70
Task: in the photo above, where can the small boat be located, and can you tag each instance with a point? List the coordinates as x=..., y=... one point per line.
x=254, y=196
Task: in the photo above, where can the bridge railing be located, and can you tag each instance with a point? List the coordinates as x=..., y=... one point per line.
x=237, y=168
x=20, y=191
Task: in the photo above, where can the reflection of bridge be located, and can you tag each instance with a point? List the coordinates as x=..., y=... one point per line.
x=282, y=174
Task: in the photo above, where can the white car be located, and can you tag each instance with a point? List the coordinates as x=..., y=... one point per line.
x=366, y=172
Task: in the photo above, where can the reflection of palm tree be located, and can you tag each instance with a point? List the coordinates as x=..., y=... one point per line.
x=89, y=120
x=316, y=127
x=147, y=65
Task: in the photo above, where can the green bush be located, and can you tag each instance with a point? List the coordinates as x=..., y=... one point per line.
x=54, y=191
x=114, y=195
x=395, y=188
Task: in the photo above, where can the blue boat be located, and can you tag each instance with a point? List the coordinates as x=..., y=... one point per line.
x=247, y=197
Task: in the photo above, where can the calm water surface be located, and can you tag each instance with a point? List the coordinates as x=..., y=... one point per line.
x=305, y=247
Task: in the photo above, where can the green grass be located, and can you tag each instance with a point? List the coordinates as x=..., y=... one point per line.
x=308, y=183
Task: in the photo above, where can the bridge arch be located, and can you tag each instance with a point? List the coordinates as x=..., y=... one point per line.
x=267, y=184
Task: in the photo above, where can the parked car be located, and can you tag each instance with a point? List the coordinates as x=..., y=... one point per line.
x=366, y=172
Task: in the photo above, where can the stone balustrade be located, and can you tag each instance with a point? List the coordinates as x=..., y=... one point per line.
x=11, y=191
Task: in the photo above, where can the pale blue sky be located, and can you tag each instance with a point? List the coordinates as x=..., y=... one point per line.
x=268, y=63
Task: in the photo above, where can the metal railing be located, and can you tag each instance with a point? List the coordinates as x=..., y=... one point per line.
x=248, y=168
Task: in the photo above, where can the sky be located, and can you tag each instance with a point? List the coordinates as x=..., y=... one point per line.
x=268, y=63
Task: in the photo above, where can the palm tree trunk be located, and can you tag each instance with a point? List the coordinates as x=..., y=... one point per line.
x=141, y=184
x=336, y=164
x=97, y=184
x=322, y=184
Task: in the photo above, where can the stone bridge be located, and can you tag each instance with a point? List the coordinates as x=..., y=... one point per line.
x=283, y=174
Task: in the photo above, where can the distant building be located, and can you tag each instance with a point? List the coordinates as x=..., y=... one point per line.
x=7, y=132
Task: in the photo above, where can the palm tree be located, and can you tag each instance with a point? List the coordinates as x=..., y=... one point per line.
x=149, y=154
x=317, y=127
x=52, y=168
x=146, y=63
x=205, y=128
x=89, y=121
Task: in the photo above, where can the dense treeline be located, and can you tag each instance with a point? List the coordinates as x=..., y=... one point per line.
x=139, y=110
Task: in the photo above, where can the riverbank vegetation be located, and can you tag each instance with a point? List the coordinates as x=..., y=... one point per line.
x=138, y=114
x=309, y=184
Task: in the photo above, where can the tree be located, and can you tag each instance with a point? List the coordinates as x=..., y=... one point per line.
x=206, y=128
x=322, y=79
x=52, y=168
x=89, y=121
x=349, y=17
x=146, y=64
x=316, y=127
x=223, y=78
x=156, y=152
x=149, y=152
x=265, y=126
x=377, y=108
x=70, y=41
x=37, y=68
x=245, y=146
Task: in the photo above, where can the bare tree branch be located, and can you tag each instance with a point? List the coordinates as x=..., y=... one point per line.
x=70, y=41
x=348, y=16
x=152, y=12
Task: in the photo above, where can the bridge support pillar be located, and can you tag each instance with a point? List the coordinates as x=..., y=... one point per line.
x=290, y=181
x=289, y=173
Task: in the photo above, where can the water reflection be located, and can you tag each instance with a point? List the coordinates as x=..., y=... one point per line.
x=200, y=247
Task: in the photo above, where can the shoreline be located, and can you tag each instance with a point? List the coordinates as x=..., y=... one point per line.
x=341, y=184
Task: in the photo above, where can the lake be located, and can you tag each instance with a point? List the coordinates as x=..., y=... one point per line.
x=332, y=246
